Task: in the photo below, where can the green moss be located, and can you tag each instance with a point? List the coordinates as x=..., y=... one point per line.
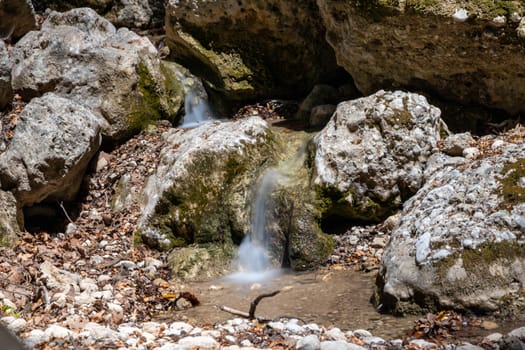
x=484, y=9
x=510, y=189
x=476, y=263
x=331, y=201
x=145, y=104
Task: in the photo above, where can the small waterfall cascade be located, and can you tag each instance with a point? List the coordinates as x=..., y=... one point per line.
x=254, y=263
x=196, y=107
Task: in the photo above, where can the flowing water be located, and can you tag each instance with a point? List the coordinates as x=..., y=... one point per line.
x=197, y=111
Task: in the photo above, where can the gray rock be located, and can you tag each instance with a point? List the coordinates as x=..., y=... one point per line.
x=9, y=340
x=203, y=183
x=237, y=61
x=323, y=95
x=6, y=94
x=339, y=345
x=372, y=153
x=310, y=342
x=117, y=74
x=468, y=346
x=17, y=17
x=518, y=332
x=454, y=145
x=320, y=115
x=437, y=56
x=52, y=145
x=511, y=343
x=58, y=280
x=199, y=342
x=459, y=243
x=123, y=13
x=9, y=229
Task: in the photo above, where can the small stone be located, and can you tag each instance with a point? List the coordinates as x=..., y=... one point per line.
x=471, y=152
x=373, y=340
x=460, y=15
x=497, y=144
x=58, y=332
x=361, y=333
x=36, y=337
x=339, y=345
x=494, y=337
x=117, y=312
x=335, y=334
x=518, y=332
x=423, y=344
x=489, y=325
x=199, y=342
x=499, y=20
x=468, y=346
x=310, y=342
x=15, y=324
x=454, y=145
x=152, y=327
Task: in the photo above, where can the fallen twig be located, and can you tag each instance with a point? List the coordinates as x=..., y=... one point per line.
x=253, y=305
x=255, y=302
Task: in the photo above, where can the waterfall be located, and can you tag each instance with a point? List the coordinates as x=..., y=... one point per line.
x=197, y=110
x=253, y=251
x=254, y=262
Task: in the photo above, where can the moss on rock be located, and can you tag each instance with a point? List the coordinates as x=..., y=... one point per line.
x=511, y=190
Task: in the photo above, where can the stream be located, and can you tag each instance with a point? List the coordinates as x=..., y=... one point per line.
x=327, y=298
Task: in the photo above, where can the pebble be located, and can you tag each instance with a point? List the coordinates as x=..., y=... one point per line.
x=310, y=342
x=335, y=334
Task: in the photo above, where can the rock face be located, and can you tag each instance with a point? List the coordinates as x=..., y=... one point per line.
x=117, y=74
x=250, y=49
x=6, y=93
x=423, y=47
x=201, y=192
x=126, y=13
x=53, y=142
x=9, y=229
x=17, y=17
x=460, y=241
x=371, y=155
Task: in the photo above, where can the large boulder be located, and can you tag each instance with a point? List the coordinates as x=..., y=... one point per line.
x=202, y=189
x=6, y=94
x=460, y=242
x=17, y=17
x=371, y=155
x=251, y=49
x=54, y=140
x=81, y=56
x=463, y=51
x=9, y=229
x=126, y=13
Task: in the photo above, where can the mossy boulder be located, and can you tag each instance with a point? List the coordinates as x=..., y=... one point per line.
x=116, y=73
x=371, y=155
x=460, y=242
x=9, y=230
x=251, y=49
x=465, y=52
x=202, y=190
x=201, y=262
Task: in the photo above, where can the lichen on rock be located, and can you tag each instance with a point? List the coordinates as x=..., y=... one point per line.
x=371, y=155
x=460, y=241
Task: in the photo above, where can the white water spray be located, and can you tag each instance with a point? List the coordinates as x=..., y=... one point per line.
x=197, y=111
x=196, y=107
x=254, y=262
